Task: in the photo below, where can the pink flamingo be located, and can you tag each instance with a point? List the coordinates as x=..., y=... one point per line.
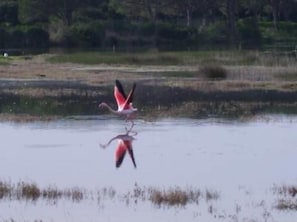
x=125, y=107
x=124, y=145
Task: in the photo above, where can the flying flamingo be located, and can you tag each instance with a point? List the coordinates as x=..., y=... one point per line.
x=125, y=107
x=124, y=145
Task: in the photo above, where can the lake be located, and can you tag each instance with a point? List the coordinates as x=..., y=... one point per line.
x=236, y=166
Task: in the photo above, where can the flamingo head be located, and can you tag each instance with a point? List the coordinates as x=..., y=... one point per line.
x=101, y=105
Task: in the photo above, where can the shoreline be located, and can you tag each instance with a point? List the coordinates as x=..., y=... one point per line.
x=36, y=84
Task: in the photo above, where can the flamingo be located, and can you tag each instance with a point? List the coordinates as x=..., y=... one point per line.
x=124, y=145
x=125, y=107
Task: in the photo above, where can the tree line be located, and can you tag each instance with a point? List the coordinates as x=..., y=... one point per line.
x=168, y=24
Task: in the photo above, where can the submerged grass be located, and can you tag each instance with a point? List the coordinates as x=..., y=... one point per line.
x=288, y=199
x=32, y=192
x=180, y=197
x=175, y=196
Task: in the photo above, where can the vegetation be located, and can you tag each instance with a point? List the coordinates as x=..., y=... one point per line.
x=209, y=59
x=214, y=72
x=288, y=199
x=130, y=24
x=170, y=197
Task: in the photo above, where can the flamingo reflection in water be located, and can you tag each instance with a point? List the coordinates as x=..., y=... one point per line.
x=124, y=145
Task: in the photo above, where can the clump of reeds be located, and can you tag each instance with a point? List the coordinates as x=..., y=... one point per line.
x=288, y=200
x=284, y=204
x=211, y=195
x=52, y=193
x=214, y=72
x=175, y=196
x=286, y=190
x=169, y=197
x=180, y=197
x=28, y=191
x=5, y=190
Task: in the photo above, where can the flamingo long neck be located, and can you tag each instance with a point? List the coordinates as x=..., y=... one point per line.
x=110, y=109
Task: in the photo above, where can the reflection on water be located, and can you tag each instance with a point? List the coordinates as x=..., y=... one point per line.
x=241, y=162
x=124, y=145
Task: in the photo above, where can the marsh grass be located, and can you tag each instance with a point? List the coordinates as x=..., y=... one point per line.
x=5, y=190
x=285, y=204
x=32, y=192
x=173, y=196
x=288, y=199
x=180, y=197
x=170, y=197
x=28, y=191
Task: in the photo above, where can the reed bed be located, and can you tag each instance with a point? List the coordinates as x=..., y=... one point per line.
x=287, y=197
x=172, y=196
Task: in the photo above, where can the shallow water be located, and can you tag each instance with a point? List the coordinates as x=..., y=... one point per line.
x=240, y=160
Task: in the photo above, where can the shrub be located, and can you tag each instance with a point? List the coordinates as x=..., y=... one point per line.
x=214, y=72
x=86, y=35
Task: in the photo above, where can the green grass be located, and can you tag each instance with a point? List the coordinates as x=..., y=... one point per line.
x=288, y=76
x=176, y=58
x=4, y=61
x=92, y=58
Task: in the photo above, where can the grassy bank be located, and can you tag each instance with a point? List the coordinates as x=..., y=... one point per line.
x=240, y=57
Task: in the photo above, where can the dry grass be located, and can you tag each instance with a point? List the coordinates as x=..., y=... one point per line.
x=285, y=204
x=180, y=197
x=288, y=200
x=5, y=190
x=28, y=191
x=32, y=192
x=176, y=196
x=286, y=190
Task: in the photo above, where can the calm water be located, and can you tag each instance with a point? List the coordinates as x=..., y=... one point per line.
x=240, y=160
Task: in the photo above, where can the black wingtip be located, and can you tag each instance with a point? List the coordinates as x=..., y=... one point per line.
x=120, y=88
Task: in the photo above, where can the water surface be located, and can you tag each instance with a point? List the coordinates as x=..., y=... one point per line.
x=240, y=160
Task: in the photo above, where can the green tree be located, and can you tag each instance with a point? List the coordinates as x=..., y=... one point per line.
x=9, y=12
x=191, y=8
x=32, y=11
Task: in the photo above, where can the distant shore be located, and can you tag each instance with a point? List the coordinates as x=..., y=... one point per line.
x=36, y=78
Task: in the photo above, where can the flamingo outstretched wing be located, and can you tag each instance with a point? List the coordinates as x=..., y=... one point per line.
x=122, y=100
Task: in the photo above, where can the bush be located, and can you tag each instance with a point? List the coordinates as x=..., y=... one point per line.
x=214, y=72
x=86, y=35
